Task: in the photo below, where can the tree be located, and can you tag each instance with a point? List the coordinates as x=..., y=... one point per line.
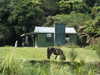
x=67, y=6
x=21, y=16
x=90, y=3
x=73, y=19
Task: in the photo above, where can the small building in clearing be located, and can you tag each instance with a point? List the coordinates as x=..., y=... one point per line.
x=49, y=36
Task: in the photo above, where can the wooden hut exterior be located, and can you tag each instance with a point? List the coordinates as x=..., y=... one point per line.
x=46, y=36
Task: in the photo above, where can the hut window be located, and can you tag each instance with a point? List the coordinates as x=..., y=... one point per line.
x=67, y=38
x=49, y=35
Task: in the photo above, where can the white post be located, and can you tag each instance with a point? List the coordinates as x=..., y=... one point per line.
x=16, y=43
x=35, y=42
x=54, y=35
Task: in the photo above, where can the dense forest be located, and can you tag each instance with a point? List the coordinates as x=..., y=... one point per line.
x=19, y=17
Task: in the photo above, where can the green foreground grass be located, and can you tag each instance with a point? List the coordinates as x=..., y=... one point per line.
x=41, y=54
x=10, y=66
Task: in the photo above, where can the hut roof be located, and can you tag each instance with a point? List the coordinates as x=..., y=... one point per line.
x=68, y=30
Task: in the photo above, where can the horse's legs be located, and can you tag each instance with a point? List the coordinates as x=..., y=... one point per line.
x=49, y=54
x=56, y=56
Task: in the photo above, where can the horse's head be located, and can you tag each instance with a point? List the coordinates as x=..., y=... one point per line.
x=62, y=57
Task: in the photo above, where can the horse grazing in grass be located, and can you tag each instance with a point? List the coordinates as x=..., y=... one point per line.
x=55, y=51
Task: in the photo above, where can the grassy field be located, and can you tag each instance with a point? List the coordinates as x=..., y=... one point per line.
x=40, y=53
x=10, y=66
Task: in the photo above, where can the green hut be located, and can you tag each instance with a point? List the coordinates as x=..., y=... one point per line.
x=50, y=36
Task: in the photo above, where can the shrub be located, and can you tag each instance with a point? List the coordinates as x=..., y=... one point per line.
x=72, y=54
x=10, y=65
x=97, y=48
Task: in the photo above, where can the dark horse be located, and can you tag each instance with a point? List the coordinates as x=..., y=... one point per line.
x=55, y=51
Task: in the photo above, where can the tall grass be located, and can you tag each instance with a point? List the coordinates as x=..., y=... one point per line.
x=84, y=69
x=72, y=54
x=10, y=65
x=97, y=48
x=79, y=68
x=60, y=69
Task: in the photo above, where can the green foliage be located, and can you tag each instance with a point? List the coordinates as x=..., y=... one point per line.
x=92, y=26
x=64, y=5
x=4, y=31
x=49, y=21
x=90, y=3
x=21, y=16
x=73, y=5
x=25, y=14
x=74, y=19
x=46, y=4
x=97, y=48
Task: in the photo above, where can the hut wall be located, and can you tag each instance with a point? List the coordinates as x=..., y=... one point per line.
x=44, y=40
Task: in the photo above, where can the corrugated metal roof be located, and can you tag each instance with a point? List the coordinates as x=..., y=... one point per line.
x=52, y=30
x=44, y=30
x=70, y=30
